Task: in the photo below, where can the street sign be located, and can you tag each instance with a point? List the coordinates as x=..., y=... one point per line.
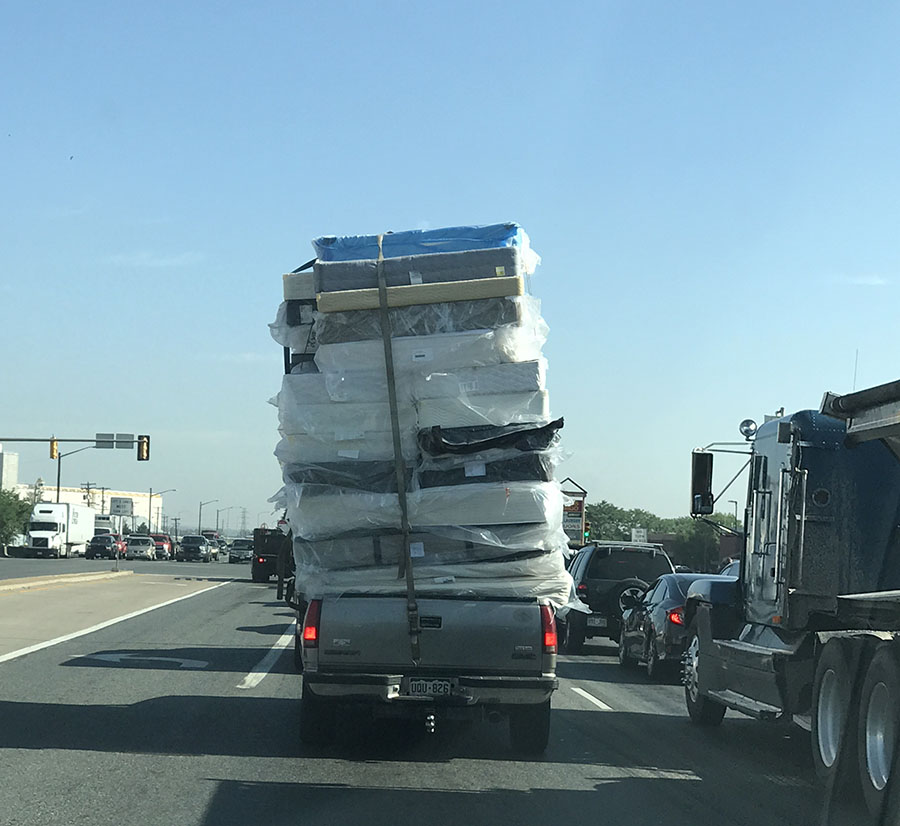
x=121, y=506
x=125, y=440
x=105, y=440
x=638, y=534
x=573, y=517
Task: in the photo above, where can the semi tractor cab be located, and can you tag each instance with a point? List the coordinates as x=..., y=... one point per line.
x=809, y=632
x=59, y=529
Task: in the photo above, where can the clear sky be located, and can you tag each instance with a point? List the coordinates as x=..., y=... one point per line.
x=713, y=187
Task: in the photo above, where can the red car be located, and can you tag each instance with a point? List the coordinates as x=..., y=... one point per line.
x=120, y=544
x=164, y=545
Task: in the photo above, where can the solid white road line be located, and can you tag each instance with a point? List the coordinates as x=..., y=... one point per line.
x=264, y=666
x=75, y=634
x=599, y=703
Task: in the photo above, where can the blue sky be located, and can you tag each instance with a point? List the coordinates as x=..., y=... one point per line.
x=712, y=188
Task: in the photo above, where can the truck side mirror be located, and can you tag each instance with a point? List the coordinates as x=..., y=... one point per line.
x=701, y=483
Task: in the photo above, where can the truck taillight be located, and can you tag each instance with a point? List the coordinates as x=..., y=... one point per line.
x=311, y=624
x=676, y=616
x=548, y=627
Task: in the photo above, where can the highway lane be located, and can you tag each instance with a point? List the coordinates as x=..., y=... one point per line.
x=11, y=568
x=143, y=722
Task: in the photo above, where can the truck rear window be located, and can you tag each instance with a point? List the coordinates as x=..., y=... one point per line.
x=619, y=565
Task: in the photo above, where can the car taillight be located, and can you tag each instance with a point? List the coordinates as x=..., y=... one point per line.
x=548, y=627
x=676, y=616
x=311, y=624
x=581, y=590
x=260, y=559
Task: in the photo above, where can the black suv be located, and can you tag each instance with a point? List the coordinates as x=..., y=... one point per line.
x=604, y=572
x=102, y=546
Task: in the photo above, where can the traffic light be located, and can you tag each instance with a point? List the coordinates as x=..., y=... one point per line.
x=54, y=449
x=143, y=448
x=587, y=531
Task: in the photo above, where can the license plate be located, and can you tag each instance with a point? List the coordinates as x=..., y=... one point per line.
x=429, y=688
x=597, y=622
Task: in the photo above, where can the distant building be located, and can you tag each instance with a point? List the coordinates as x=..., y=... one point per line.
x=9, y=470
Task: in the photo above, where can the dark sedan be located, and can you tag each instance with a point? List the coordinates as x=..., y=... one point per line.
x=653, y=631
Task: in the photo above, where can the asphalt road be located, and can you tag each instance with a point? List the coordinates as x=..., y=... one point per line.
x=11, y=567
x=154, y=720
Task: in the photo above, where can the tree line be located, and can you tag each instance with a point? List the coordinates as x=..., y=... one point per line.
x=693, y=543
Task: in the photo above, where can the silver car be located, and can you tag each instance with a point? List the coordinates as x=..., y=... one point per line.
x=140, y=547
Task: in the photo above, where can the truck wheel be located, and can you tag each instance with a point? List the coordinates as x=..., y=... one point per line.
x=702, y=710
x=529, y=728
x=572, y=636
x=831, y=717
x=317, y=719
x=878, y=727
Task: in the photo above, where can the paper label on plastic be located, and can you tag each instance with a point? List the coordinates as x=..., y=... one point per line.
x=500, y=272
x=416, y=549
x=348, y=454
x=415, y=277
x=475, y=469
x=422, y=355
x=468, y=386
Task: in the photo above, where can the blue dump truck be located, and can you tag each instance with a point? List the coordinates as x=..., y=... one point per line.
x=809, y=633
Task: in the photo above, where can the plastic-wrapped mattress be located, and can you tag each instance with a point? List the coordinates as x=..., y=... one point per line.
x=422, y=319
x=422, y=242
x=471, y=411
x=509, y=466
x=373, y=446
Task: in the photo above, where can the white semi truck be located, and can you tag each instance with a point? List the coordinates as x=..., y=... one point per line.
x=59, y=529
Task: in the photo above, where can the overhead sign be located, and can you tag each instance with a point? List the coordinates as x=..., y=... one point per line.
x=105, y=440
x=125, y=440
x=121, y=506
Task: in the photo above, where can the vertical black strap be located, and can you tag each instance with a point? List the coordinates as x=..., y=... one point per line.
x=412, y=608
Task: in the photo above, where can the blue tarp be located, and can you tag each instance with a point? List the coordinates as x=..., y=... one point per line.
x=419, y=242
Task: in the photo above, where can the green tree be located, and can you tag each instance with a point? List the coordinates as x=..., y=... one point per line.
x=14, y=513
x=142, y=529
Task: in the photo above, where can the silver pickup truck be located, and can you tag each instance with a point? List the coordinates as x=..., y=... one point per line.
x=481, y=658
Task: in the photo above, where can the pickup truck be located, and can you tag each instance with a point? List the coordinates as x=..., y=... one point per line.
x=478, y=659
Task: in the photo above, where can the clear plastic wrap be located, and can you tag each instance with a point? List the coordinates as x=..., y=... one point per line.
x=509, y=465
x=537, y=577
x=300, y=337
x=345, y=420
x=429, y=241
x=510, y=377
x=325, y=447
x=440, y=353
x=438, y=441
x=376, y=477
x=424, y=319
x=474, y=411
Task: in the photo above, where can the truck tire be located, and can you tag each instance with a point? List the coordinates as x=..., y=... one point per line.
x=702, y=710
x=614, y=607
x=529, y=728
x=878, y=726
x=832, y=720
x=317, y=719
x=572, y=635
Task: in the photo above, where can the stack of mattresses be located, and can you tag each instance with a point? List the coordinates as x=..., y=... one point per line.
x=475, y=438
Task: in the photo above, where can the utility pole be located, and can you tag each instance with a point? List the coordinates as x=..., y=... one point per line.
x=87, y=487
x=176, y=520
x=103, y=499
x=243, y=521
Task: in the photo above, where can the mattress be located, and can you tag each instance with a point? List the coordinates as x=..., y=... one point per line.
x=491, y=409
x=522, y=467
x=342, y=420
x=377, y=477
x=324, y=515
x=434, y=268
x=511, y=377
x=420, y=319
x=418, y=242
x=346, y=386
x=405, y=296
x=293, y=327
x=438, y=353
x=371, y=447
x=300, y=285
x=438, y=441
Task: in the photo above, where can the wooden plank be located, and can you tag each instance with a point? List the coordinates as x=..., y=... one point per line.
x=410, y=294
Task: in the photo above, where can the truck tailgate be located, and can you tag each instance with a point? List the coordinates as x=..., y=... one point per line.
x=458, y=636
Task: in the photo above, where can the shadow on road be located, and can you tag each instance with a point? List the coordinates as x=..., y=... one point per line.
x=276, y=629
x=225, y=659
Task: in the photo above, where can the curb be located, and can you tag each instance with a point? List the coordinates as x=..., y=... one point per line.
x=26, y=583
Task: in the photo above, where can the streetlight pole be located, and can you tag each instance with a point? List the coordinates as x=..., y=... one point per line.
x=200, y=514
x=218, y=511
x=734, y=502
x=150, y=507
x=59, y=457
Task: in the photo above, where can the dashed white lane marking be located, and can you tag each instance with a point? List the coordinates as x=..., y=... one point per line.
x=12, y=655
x=590, y=697
x=264, y=666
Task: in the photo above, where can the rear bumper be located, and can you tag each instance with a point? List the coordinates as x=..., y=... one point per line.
x=467, y=691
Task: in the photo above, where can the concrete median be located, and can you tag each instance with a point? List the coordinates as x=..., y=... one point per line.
x=24, y=583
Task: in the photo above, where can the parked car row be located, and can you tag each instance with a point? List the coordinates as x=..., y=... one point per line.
x=192, y=547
